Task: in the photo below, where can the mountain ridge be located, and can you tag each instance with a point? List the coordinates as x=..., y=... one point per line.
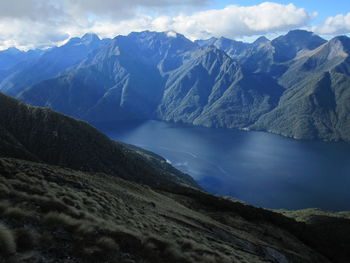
x=157, y=75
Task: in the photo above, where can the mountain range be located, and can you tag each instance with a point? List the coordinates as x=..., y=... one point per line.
x=296, y=85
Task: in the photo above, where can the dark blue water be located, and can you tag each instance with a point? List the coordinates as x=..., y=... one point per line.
x=259, y=168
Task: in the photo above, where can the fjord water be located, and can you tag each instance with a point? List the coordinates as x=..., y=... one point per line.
x=259, y=168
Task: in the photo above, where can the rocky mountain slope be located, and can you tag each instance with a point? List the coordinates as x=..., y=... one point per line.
x=52, y=213
x=286, y=86
x=316, y=102
x=215, y=91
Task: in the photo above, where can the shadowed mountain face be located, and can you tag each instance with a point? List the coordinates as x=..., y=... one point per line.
x=295, y=85
x=39, y=134
x=62, y=198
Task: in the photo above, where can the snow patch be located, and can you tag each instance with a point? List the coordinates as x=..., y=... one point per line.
x=171, y=34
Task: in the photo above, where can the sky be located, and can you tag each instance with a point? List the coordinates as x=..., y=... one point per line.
x=29, y=24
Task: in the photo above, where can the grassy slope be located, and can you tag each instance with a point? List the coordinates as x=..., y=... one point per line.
x=39, y=134
x=53, y=214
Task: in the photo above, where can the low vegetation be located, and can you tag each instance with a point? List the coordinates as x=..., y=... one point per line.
x=52, y=214
x=61, y=216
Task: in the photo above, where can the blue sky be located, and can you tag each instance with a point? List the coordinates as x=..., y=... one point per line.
x=41, y=23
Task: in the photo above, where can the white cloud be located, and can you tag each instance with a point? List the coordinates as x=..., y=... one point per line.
x=238, y=21
x=339, y=24
x=26, y=34
x=42, y=23
x=232, y=21
x=32, y=23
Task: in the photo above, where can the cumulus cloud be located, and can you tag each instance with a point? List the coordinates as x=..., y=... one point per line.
x=121, y=8
x=339, y=24
x=238, y=21
x=26, y=34
x=232, y=21
x=40, y=23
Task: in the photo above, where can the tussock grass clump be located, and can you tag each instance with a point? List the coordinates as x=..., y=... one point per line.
x=85, y=229
x=27, y=188
x=107, y=244
x=4, y=205
x=155, y=249
x=127, y=240
x=4, y=190
x=7, y=242
x=25, y=240
x=61, y=220
x=48, y=205
x=19, y=214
